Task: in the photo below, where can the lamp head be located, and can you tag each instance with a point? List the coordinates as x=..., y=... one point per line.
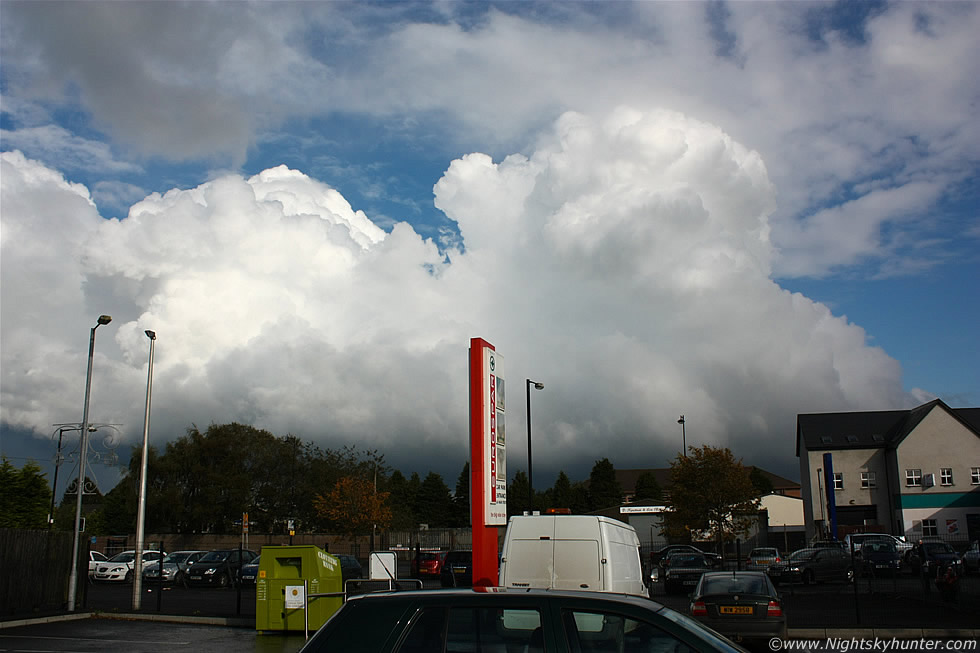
x=104, y=319
x=152, y=335
x=681, y=420
x=537, y=386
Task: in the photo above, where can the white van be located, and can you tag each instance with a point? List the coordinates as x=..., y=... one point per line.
x=578, y=552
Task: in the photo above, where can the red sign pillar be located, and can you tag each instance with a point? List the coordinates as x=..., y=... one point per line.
x=486, y=501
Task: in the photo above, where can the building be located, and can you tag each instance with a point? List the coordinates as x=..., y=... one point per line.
x=906, y=472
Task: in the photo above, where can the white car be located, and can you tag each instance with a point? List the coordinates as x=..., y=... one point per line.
x=94, y=558
x=120, y=566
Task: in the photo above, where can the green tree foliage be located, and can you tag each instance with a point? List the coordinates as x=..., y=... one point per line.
x=433, y=502
x=25, y=497
x=401, y=500
x=517, y=494
x=711, y=496
x=647, y=487
x=561, y=492
x=604, y=489
x=461, y=498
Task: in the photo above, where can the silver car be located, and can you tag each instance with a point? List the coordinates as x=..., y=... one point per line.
x=120, y=566
x=173, y=568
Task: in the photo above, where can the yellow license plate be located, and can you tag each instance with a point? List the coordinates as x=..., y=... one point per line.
x=736, y=609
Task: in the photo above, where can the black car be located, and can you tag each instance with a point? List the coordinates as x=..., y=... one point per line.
x=741, y=605
x=927, y=557
x=658, y=559
x=684, y=572
x=219, y=568
x=249, y=572
x=457, y=569
x=349, y=567
x=498, y=619
x=811, y=566
x=879, y=558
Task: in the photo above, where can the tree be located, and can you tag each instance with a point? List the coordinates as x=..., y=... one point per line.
x=604, y=489
x=647, y=487
x=401, y=500
x=461, y=499
x=711, y=495
x=561, y=492
x=354, y=506
x=433, y=503
x=25, y=497
x=517, y=491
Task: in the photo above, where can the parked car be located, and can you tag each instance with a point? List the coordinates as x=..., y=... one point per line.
x=349, y=567
x=218, y=568
x=659, y=558
x=880, y=558
x=684, y=572
x=249, y=572
x=94, y=558
x=428, y=564
x=971, y=558
x=928, y=556
x=457, y=569
x=761, y=557
x=120, y=566
x=811, y=566
x=859, y=539
x=741, y=605
x=174, y=568
x=500, y=619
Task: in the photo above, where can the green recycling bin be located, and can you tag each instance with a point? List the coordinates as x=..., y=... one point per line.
x=280, y=589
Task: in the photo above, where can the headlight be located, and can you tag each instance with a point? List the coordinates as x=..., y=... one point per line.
x=792, y=569
x=208, y=572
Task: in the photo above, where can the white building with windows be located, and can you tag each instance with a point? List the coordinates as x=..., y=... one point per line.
x=905, y=472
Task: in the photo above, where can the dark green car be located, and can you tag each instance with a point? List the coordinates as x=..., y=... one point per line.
x=498, y=619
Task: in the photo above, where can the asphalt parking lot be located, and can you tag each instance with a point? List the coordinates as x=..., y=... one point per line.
x=129, y=636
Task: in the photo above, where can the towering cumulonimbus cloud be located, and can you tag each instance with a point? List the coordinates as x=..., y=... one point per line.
x=625, y=261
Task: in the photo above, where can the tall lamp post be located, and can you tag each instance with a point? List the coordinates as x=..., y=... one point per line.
x=73, y=578
x=530, y=482
x=683, y=434
x=141, y=513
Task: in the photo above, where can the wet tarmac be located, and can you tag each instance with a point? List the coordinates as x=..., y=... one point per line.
x=100, y=635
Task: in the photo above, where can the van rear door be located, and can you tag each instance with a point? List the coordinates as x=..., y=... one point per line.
x=577, y=565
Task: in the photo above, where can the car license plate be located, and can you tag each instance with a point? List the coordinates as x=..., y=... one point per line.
x=690, y=582
x=736, y=609
x=459, y=570
x=195, y=578
x=249, y=577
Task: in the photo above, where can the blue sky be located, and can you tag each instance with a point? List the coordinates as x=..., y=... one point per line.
x=736, y=211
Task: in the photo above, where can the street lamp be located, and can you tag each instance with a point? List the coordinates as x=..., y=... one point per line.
x=141, y=513
x=683, y=434
x=57, y=463
x=530, y=483
x=73, y=578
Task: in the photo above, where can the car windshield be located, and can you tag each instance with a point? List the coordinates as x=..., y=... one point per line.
x=937, y=547
x=734, y=585
x=215, y=556
x=178, y=556
x=801, y=555
x=255, y=561
x=763, y=553
x=125, y=556
x=687, y=560
x=879, y=547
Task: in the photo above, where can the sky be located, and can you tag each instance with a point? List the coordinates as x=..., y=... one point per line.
x=736, y=212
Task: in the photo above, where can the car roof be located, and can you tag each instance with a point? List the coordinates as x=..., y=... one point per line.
x=449, y=594
x=730, y=574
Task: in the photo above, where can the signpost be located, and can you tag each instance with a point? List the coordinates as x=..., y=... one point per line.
x=488, y=458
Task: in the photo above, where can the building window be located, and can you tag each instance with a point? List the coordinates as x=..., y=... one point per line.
x=975, y=475
x=913, y=478
x=929, y=528
x=838, y=480
x=945, y=476
x=868, y=480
